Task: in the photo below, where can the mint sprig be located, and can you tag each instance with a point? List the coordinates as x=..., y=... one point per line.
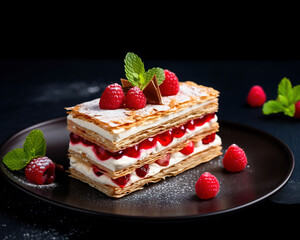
x=286, y=99
x=33, y=147
x=136, y=74
x=16, y=159
x=35, y=144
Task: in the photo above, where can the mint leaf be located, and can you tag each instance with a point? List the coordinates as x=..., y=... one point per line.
x=290, y=110
x=136, y=74
x=287, y=95
x=286, y=99
x=35, y=144
x=272, y=106
x=134, y=69
x=16, y=159
x=159, y=73
x=143, y=81
x=296, y=92
x=33, y=147
x=284, y=87
x=283, y=99
x=291, y=93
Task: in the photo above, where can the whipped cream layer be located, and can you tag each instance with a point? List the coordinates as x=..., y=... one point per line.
x=121, y=133
x=126, y=161
x=154, y=168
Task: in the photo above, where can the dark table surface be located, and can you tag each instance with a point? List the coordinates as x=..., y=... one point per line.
x=33, y=91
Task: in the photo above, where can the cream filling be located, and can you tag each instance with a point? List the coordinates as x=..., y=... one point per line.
x=154, y=168
x=126, y=161
x=122, y=133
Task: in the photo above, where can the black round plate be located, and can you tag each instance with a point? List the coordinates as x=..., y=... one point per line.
x=270, y=164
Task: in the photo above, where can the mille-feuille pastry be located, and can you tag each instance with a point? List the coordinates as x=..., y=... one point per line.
x=119, y=150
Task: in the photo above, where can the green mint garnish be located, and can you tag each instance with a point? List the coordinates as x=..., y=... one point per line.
x=16, y=159
x=136, y=74
x=34, y=146
x=286, y=99
x=159, y=73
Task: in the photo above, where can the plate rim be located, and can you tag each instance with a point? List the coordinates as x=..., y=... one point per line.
x=143, y=217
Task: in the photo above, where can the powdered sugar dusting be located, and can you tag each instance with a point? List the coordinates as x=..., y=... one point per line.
x=121, y=116
x=20, y=179
x=192, y=91
x=112, y=117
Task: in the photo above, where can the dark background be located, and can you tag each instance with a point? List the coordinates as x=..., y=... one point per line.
x=46, y=67
x=184, y=34
x=190, y=47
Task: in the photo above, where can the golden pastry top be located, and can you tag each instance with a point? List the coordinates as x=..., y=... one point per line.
x=112, y=120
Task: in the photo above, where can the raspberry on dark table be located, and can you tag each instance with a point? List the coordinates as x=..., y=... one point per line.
x=256, y=96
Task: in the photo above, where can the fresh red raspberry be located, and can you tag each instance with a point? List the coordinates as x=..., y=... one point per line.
x=187, y=150
x=207, y=186
x=297, y=112
x=235, y=159
x=170, y=85
x=256, y=96
x=112, y=97
x=40, y=170
x=135, y=98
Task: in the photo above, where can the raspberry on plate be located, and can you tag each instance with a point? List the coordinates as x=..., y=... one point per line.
x=170, y=85
x=235, y=159
x=256, y=96
x=40, y=170
x=207, y=186
x=135, y=98
x=112, y=97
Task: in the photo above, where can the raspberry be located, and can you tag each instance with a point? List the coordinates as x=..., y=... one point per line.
x=135, y=98
x=165, y=138
x=112, y=97
x=209, y=138
x=207, y=186
x=40, y=170
x=142, y=171
x=235, y=159
x=164, y=161
x=188, y=149
x=96, y=170
x=297, y=112
x=148, y=143
x=179, y=132
x=170, y=85
x=122, y=181
x=256, y=96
